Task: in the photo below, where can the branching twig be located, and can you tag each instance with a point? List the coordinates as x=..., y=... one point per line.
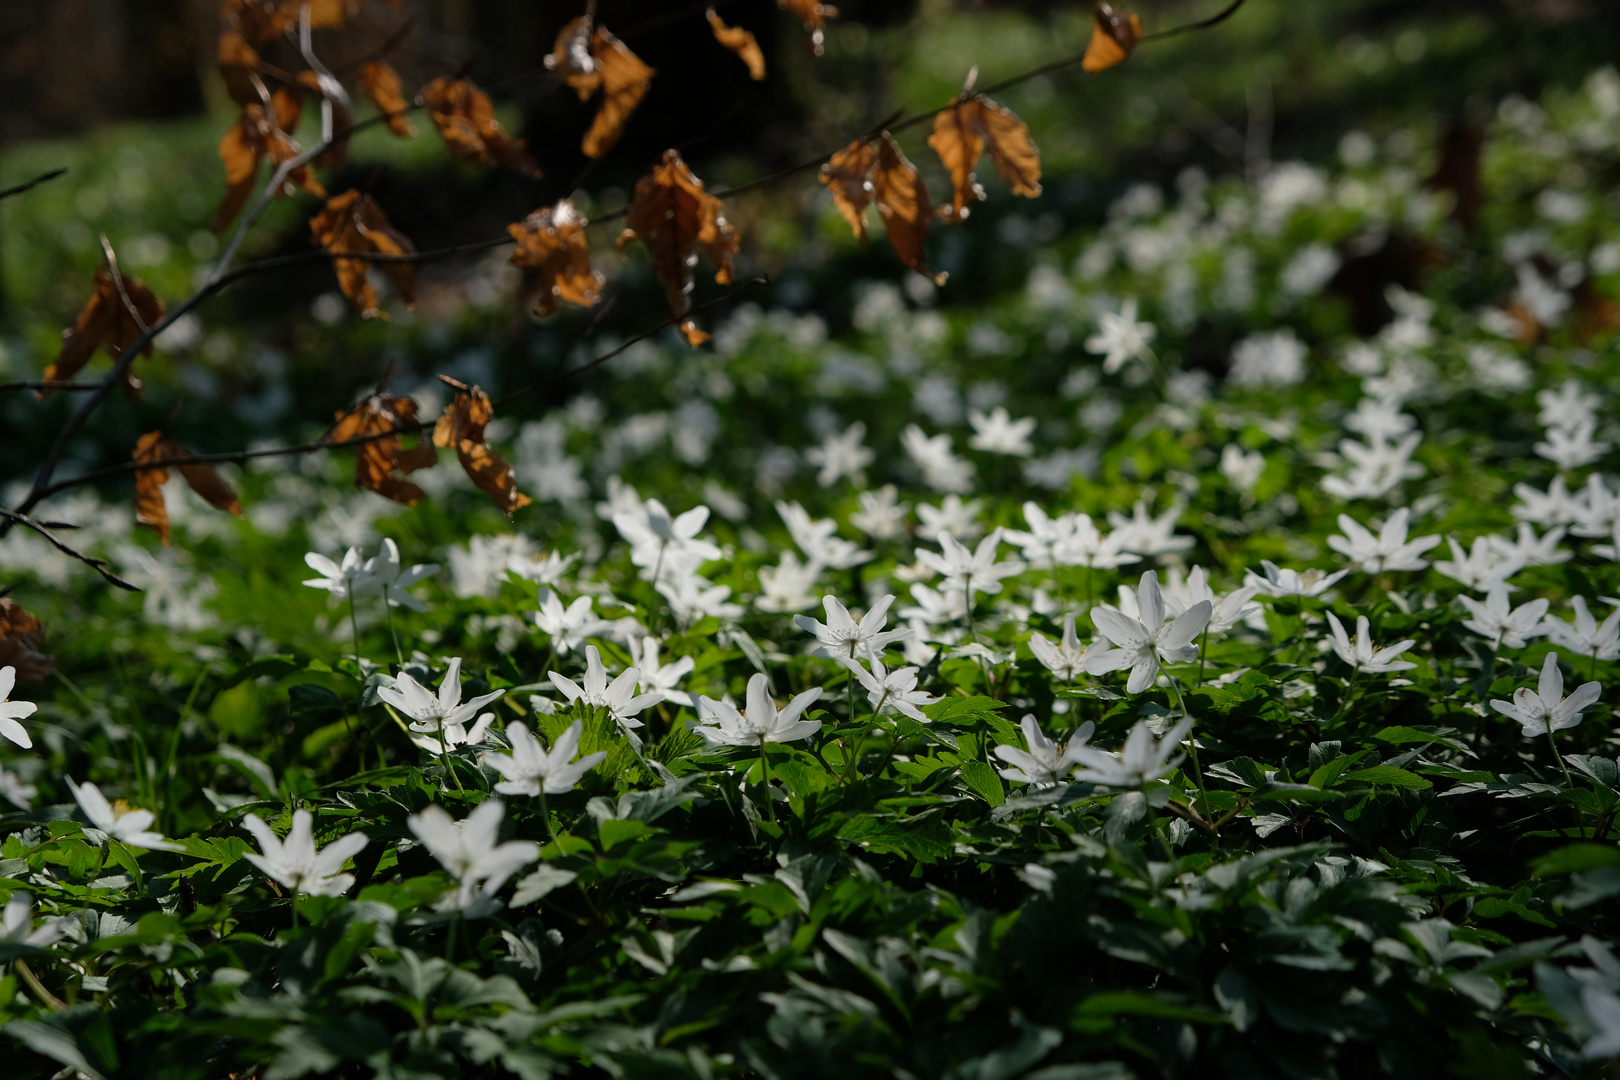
x=47, y=384
x=98, y=565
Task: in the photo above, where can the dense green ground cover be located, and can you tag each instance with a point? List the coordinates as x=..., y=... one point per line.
x=1266, y=849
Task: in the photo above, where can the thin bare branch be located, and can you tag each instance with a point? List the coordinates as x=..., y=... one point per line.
x=98, y=565
x=28, y=185
x=47, y=384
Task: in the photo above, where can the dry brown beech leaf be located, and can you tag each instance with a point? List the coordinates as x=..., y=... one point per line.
x=22, y=638
x=1113, y=38
x=968, y=127
x=382, y=463
x=552, y=242
x=380, y=82
x=352, y=225
x=466, y=119
x=814, y=16
x=571, y=58
x=902, y=200
x=848, y=175
x=625, y=81
x=106, y=322
x=673, y=216
x=261, y=133
x=739, y=41
x=201, y=477
x=462, y=427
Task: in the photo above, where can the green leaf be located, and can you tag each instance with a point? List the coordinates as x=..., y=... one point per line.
x=1130, y=1003
x=617, y=831
x=1389, y=776
x=962, y=711
x=984, y=782
x=541, y=882
x=1576, y=857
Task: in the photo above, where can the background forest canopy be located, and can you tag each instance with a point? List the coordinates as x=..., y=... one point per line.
x=1193, y=422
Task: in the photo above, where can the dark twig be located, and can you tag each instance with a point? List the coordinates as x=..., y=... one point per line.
x=48, y=384
x=98, y=565
x=18, y=189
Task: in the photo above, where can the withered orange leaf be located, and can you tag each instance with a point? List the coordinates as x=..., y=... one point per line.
x=964, y=130
x=21, y=639
x=242, y=25
x=150, y=508
x=902, y=200
x=741, y=42
x=848, y=175
x=466, y=119
x=625, y=81
x=814, y=16
x=381, y=84
x=1113, y=38
x=351, y=225
x=378, y=460
x=106, y=322
x=673, y=216
x=552, y=241
x=259, y=133
x=571, y=57
x=462, y=427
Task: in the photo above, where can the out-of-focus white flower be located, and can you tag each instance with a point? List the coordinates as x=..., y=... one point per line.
x=479, y=568
x=1047, y=539
x=568, y=627
x=386, y=577
x=1147, y=535
x=692, y=598
x=1141, y=643
x=1044, y=762
x=1481, y=567
x=1545, y=710
x=1554, y=507
x=789, y=585
x=1603, y=1009
x=1066, y=659
x=1140, y=761
x=1120, y=337
x=1378, y=419
x=891, y=691
x=1569, y=405
x=543, y=570
x=13, y=711
x=942, y=470
x=939, y=607
x=118, y=819
x=344, y=580
x=818, y=541
x=1388, y=551
x=842, y=636
x=295, y=863
x=999, y=433
x=429, y=712
x=952, y=515
x=17, y=924
x=656, y=678
x=763, y=722
x=881, y=516
x=1090, y=547
x=468, y=850
x=1225, y=612
x=1242, y=468
x=15, y=790
x=1585, y=635
x=1272, y=359
x=664, y=546
x=1529, y=549
x=530, y=769
x=1278, y=581
x=1312, y=267
x=619, y=697
x=841, y=455
x=1497, y=621
x=1572, y=447
x=1375, y=468
x=970, y=571
x=1359, y=652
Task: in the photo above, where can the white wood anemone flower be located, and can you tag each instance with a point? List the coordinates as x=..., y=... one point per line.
x=469, y=851
x=1360, y=653
x=1545, y=709
x=762, y=723
x=17, y=924
x=1139, y=763
x=1141, y=643
x=891, y=691
x=430, y=712
x=1045, y=762
x=618, y=697
x=295, y=863
x=843, y=636
x=118, y=819
x=532, y=770
x=13, y=711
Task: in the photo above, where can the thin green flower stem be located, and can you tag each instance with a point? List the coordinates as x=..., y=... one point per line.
x=1158, y=829
x=354, y=628
x=450, y=939
x=388, y=610
x=1569, y=780
x=851, y=675
x=1192, y=747
x=1344, y=706
x=1203, y=648
x=292, y=906
x=545, y=815
x=1591, y=672
x=765, y=780
x=444, y=757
